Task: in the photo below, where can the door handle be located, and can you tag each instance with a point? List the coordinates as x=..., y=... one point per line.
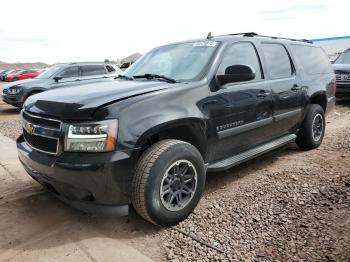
x=295, y=87
x=262, y=94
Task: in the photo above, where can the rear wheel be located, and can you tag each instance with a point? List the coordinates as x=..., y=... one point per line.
x=168, y=182
x=312, y=129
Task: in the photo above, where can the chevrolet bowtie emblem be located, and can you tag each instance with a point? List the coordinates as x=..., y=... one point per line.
x=29, y=128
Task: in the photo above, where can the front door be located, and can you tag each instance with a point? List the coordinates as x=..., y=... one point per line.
x=286, y=88
x=70, y=76
x=242, y=112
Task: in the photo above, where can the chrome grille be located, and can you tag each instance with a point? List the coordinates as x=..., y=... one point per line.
x=342, y=78
x=41, y=133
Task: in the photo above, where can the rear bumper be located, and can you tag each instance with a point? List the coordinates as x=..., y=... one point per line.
x=90, y=178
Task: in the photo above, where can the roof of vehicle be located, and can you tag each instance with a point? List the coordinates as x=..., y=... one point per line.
x=84, y=63
x=255, y=35
x=250, y=35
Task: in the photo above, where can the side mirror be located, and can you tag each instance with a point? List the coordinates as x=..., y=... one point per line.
x=57, y=78
x=236, y=73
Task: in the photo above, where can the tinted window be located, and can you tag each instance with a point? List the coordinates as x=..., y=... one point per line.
x=312, y=59
x=91, y=70
x=70, y=72
x=110, y=68
x=277, y=60
x=241, y=54
x=344, y=58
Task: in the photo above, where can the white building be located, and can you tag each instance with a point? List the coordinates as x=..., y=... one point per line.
x=333, y=45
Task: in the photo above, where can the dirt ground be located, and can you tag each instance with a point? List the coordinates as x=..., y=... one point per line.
x=291, y=205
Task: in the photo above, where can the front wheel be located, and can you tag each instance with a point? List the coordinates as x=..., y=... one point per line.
x=168, y=182
x=312, y=129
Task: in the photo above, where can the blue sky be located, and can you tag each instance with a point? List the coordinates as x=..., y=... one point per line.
x=76, y=30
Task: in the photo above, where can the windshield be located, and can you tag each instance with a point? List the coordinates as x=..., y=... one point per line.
x=181, y=62
x=344, y=58
x=49, y=72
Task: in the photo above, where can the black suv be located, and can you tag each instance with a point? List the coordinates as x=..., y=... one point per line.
x=60, y=75
x=342, y=70
x=149, y=137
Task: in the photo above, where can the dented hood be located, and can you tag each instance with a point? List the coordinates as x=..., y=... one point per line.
x=80, y=102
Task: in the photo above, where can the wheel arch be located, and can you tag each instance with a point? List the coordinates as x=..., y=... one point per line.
x=191, y=130
x=319, y=98
x=31, y=92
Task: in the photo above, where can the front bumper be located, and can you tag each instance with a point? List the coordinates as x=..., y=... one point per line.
x=343, y=90
x=94, y=178
x=14, y=100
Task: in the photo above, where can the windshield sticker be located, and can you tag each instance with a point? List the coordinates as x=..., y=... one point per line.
x=206, y=43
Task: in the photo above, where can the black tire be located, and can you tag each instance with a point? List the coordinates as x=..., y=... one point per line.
x=152, y=170
x=307, y=137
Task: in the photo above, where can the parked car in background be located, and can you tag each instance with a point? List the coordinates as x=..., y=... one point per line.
x=6, y=72
x=125, y=65
x=149, y=137
x=60, y=75
x=3, y=72
x=20, y=75
x=341, y=68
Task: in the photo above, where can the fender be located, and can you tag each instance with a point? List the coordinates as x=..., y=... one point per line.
x=192, y=130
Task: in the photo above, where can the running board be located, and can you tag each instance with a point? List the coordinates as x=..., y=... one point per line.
x=249, y=154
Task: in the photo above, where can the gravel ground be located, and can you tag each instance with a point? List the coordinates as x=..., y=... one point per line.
x=288, y=206
x=11, y=128
x=291, y=205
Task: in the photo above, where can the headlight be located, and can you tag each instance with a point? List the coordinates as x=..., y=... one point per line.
x=14, y=90
x=92, y=137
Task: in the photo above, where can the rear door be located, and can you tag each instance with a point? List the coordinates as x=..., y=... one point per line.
x=286, y=88
x=93, y=72
x=241, y=113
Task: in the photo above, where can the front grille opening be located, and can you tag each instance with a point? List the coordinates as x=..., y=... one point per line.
x=41, y=143
x=50, y=123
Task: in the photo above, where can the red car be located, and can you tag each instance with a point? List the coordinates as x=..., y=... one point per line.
x=23, y=74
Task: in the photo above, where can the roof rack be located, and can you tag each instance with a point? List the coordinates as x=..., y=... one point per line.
x=285, y=38
x=252, y=34
x=245, y=34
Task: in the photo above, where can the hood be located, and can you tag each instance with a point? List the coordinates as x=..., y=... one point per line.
x=80, y=102
x=341, y=68
x=26, y=83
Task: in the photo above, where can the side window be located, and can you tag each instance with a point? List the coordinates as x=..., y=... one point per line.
x=70, y=72
x=313, y=59
x=241, y=54
x=110, y=68
x=277, y=60
x=92, y=70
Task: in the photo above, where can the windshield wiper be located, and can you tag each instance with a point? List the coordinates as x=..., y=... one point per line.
x=124, y=77
x=155, y=76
